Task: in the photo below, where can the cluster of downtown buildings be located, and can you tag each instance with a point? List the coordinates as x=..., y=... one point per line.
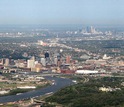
x=58, y=62
x=44, y=63
x=62, y=64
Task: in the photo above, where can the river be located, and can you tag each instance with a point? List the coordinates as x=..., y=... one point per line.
x=59, y=83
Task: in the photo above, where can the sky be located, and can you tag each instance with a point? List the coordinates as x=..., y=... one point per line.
x=109, y=12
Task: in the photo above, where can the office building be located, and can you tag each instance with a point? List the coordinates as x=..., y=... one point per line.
x=31, y=63
x=6, y=62
x=68, y=58
x=43, y=61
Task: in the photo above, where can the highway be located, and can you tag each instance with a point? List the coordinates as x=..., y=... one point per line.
x=60, y=83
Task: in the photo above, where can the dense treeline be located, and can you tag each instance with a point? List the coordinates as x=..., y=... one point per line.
x=99, y=46
x=88, y=95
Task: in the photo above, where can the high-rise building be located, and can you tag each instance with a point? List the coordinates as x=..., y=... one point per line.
x=68, y=58
x=2, y=61
x=31, y=63
x=91, y=30
x=47, y=57
x=57, y=59
x=88, y=30
x=59, y=63
x=6, y=62
x=46, y=54
x=43, y=61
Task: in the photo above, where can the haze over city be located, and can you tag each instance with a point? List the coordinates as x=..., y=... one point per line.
x=89, y=12
x=61, y=53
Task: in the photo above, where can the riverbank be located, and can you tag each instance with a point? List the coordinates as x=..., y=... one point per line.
x=59, y=83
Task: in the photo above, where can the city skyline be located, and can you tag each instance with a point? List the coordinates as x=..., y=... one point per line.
x=61, y=12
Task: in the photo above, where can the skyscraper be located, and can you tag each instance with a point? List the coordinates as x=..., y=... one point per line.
x=43, y=61
x=6, y=62
x=57, y=59
x=68, y=58
x=31, y=63
x=47, y=57
x=91, y=29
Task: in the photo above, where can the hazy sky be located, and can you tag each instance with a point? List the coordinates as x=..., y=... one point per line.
x=62, y=12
